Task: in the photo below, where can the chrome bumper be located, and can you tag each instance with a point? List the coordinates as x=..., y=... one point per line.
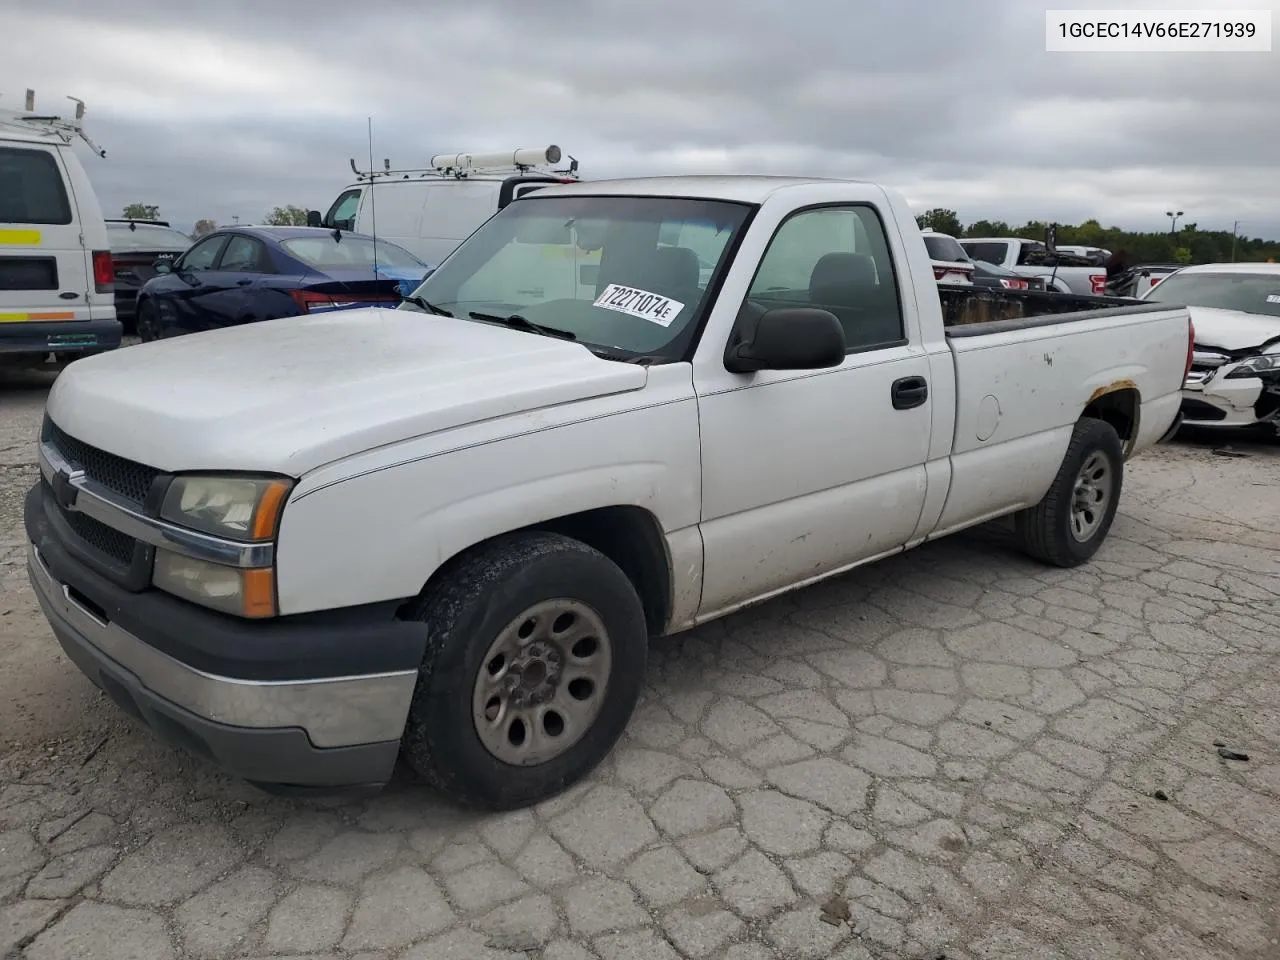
x=333, y=712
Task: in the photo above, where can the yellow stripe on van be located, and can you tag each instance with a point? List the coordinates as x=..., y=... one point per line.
x=46, y=315
x=20, y=238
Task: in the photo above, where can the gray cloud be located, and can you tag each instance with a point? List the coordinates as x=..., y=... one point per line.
x=231, y=110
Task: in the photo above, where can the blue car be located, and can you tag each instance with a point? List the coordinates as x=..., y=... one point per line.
x=245, y=274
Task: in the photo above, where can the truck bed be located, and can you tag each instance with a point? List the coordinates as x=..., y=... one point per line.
x=967, y=307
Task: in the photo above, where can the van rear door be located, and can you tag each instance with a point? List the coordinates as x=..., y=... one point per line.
x=45, y=270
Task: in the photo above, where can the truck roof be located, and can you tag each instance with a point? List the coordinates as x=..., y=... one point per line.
x=740, y=188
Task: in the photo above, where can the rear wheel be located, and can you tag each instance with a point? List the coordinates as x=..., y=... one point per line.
x=536, y=653
x=148, y=321
x=1068, y=526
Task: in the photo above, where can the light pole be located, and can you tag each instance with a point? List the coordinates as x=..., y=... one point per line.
x=1173, y=221
x=1235, y=233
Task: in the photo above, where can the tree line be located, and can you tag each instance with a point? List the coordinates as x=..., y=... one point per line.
x=286, y=216
x=1189, y=244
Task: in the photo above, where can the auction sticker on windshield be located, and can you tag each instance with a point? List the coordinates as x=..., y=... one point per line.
x=639, y=303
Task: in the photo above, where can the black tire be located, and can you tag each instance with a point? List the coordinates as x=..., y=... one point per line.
x=147, y=322
x=1047, y=531
x=465, y=612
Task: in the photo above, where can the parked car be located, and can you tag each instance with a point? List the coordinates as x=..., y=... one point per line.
x=247, y=274
x=1028, y=258
x=1234, y=379
x=430, y=211
x=136, y=247
x=989, y=275
x=55, y=260
x=950, y=263
x=447, y=531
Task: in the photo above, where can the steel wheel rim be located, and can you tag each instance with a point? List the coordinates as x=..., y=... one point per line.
x=542, y=682
x=1091, y=496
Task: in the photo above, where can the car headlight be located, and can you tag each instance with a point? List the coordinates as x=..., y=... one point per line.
x=237, y=508
x=1255, y=366
x=241, y=592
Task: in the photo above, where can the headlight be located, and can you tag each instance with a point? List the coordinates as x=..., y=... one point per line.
x=240, y=592
x=238, y=508
x=1255, y=366
x=242, y=509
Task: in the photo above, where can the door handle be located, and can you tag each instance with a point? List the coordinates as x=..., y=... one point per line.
x=243, y=283
x=909, y=392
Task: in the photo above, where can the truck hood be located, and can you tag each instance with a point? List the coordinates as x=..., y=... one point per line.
x=1232, y=330
x=289, y=395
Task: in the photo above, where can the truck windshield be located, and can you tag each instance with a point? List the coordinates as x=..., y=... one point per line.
x=627, y=276
x=1247, y=292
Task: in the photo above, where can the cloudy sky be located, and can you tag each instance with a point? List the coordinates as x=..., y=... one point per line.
x=228, y=109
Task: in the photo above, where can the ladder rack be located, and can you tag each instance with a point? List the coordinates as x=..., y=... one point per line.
x=459, y=166
x=49, y=124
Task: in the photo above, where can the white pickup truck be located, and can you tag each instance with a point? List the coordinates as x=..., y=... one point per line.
x=1028, y=259
x=446, y=532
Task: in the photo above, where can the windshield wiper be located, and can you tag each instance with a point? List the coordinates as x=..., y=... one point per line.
x=517, y=322
x=428, y=306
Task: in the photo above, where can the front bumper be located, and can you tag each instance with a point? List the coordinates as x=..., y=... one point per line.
x=1217, y=401
x=309, y=702
x=60, y=336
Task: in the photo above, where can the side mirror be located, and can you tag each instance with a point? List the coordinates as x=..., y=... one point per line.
x=785, y=338
x=163, y=266
x=314, y=219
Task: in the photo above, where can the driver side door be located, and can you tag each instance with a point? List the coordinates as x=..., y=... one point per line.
x=191, y=288
x=806, y=472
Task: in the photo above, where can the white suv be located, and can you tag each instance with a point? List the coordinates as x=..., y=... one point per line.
x=56, y=275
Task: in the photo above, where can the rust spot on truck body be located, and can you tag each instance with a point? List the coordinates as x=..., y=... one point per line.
x=1117, y=386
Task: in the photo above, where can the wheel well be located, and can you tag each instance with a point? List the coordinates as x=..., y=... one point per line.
x=629, y=536
x=632, y=538
x=1119, y=407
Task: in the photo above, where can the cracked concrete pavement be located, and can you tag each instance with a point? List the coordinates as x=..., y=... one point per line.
x=963, y=753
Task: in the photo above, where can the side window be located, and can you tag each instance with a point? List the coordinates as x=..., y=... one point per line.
x=244, y=255
x=343, y=212
x=204, y=254
x=31, y=188
x=837, y=259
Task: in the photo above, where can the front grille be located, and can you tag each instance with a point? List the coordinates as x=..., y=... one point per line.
x=114, y=555
x=124, y=477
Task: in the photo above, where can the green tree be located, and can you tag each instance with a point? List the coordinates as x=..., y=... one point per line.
x=1182, y=255
x=941, y=220
x=141, y=211
x=203, y=226
x=289, y=216
x=987, y=228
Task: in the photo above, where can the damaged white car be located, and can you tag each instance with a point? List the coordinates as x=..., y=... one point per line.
x=1234, y=379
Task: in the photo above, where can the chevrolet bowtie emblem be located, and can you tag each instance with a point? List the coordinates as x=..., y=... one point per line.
x=64, y=489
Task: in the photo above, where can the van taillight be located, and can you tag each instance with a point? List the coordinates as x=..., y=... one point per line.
x=104, y=273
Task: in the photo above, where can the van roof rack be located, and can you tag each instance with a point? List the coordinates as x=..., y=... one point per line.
x=459, y=166
x=49, y=124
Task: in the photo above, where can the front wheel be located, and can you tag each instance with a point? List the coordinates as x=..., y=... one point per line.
x=147, y=322
x=1068, y=526
x=535, y=659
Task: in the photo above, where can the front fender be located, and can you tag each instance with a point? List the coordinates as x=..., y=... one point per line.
x=380, y=534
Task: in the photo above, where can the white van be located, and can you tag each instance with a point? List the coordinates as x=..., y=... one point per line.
x=56, y=273
x=430, y=211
